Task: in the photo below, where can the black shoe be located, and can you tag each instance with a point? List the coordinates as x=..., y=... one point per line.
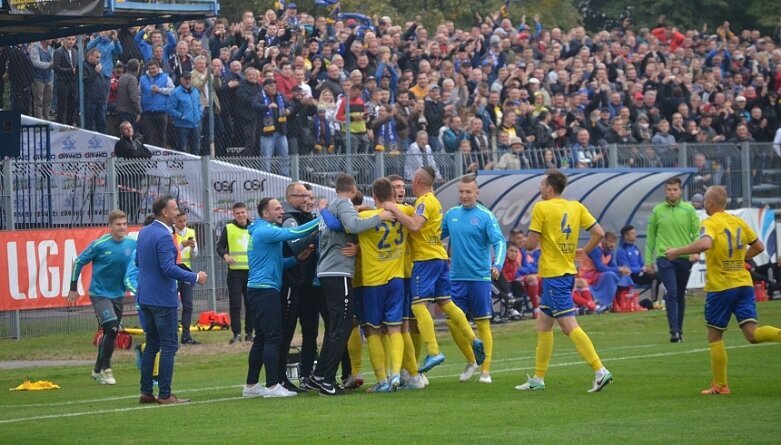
x=190, y=341
x=236, y=338
x=290, y=386
x=676, y=337
x=249, y=338
x=329, y=389
x=314, y=383
x=302, y=384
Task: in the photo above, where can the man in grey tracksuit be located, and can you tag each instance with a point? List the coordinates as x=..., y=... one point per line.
x=335, y=272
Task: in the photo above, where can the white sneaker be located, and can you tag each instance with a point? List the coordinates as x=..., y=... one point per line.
x=424, y=378
x=469, y=371
x=415, y=382
x=278, y=391
x=404, y=377
x=256, y=390
x=484, y=378
x=108, y=377
x=532, y=384
x=98, y=378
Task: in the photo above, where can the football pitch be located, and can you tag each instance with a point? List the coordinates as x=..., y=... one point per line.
x=654, y=398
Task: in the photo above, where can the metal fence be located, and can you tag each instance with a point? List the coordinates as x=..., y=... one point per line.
x=40, y=194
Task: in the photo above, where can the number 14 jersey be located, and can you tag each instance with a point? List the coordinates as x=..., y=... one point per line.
x=725, y=260
x=383, y=250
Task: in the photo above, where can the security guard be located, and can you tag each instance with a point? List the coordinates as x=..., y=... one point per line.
x=232, y=247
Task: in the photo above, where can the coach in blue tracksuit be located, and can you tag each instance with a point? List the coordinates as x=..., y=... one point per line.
x=471, y=229
x=265, y=280
x=158, y=298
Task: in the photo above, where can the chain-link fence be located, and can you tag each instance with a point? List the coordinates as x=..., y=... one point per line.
x=79, y=193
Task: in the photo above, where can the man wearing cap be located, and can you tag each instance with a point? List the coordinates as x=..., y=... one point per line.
x=514, y=159
x=184, y=106
x=273, y=111
x=300, y=138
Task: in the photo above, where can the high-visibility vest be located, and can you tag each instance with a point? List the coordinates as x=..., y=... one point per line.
x=238, y=239
x=185, y=254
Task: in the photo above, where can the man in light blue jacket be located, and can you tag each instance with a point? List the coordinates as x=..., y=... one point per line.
x=184, y=106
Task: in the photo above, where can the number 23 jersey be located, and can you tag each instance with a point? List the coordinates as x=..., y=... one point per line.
x=383, y=250
x=558, y=221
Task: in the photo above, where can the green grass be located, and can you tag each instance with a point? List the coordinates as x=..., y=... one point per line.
x=655, y=397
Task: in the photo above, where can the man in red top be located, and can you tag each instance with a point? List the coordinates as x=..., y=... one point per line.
x=668, y=34
x=286, y=80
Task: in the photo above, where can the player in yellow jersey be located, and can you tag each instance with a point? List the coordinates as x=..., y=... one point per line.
x=410, y=378
x=382, y=271
x=430, y=269
x=729, y=242
x=557, y=223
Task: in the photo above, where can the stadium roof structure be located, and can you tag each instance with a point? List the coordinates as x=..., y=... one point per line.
x=616, y=197
x=23, y=21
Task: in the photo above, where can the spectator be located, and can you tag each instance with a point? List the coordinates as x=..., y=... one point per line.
x=359, y=140
x=274, y=111
x=42, y=58
x=131, y=177
x=180, y=61
x=246, y=93
x=20, y=74
x=207, y=88
x=128, y=105
x=156, y=87
x=514, y=159
x=95, y=92
x=65, y=86
x=155, y=39
x=184, y=106
x=419, y=155
x=109, y=49
x=663, y=136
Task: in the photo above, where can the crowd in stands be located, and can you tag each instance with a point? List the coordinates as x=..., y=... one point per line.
x=505, y=93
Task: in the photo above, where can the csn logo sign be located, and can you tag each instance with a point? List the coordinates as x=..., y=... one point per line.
x=250, y=185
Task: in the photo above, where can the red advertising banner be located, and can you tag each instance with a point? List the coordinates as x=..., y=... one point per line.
x=36, y=267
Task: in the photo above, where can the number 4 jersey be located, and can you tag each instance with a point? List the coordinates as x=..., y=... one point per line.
x=725, y=259
x=383, y=250
x=558, y=221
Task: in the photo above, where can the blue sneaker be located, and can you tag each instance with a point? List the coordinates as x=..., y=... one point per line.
x=433, y=360
x=383, y=386
x=479, y=349
x=395, y=382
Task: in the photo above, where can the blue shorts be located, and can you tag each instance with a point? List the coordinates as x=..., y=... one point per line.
x=719, y=307
x=383, y=304
x=556, y=296
x=474, y=298
x=430, y=280
x=407, y=309
x=358, y=311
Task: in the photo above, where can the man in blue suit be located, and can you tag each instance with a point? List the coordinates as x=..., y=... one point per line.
x=157, y=297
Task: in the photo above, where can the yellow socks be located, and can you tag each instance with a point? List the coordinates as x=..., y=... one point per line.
x=455, y=313
x=585, y=348
x=543, y=353
x=417, y=343
x=464, y=345
x=377, y=357
x=354, y=351
x=409, y=361
x=387, y=348
x=396, y=342
x=718, y=362
x=426, y=327
x=767, y=333
x=484, y=332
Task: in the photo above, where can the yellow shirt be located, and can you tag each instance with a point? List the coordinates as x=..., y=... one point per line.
x=382, y=255
x=427, y=242
x=726, y=257
x=558, y=221
x=409, y=210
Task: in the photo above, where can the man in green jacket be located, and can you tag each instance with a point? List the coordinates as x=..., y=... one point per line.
x=673, y=223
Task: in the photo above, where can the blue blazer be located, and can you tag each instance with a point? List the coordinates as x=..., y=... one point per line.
x=157, y=270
